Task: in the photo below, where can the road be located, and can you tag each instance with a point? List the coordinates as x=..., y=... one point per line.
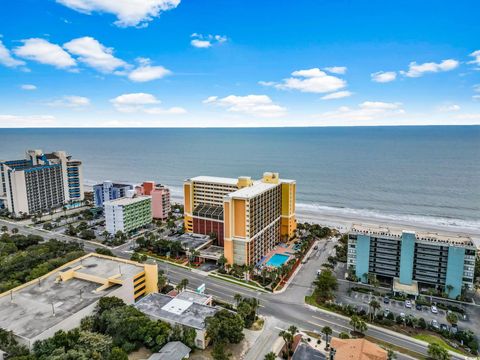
x=287, y=307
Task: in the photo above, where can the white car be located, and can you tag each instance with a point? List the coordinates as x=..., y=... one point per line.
x=408, y=304
x=434, y=324
x=434, y=309
x=402, y=315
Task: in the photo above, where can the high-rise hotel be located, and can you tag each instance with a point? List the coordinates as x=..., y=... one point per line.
x=40, y=182
x=412, y=261
x=248, y=217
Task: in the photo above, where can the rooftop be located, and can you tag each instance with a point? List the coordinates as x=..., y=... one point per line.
x=257, y=188
x=191, y=240
x=176, y=310
x=194, y=297
x=32, y=308
x=215, y=180
x=127, y=200
x=306, y=352
x=174, y=350
x=357, y=349
x=454, y=239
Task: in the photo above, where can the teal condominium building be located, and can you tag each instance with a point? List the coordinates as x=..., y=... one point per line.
x=412, y=260
x=128, y=214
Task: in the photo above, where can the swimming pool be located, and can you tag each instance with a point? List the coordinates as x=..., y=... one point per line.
x=277, y=260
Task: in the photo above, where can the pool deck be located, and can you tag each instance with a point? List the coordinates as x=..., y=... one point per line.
x=283, y=249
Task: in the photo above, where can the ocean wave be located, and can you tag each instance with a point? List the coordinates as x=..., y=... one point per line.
x=372, y=215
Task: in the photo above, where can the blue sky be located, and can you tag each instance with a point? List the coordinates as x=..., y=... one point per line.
x=164, y=63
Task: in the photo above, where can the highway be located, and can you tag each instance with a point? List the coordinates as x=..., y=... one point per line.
x=288, y=307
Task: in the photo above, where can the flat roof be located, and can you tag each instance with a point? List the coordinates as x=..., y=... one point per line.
x=28, y=309
x=127, y=200
x=214, y=180
x=191, y=240
x=433, y=237
x=248, y=192
x=158, y=306
x=194, y=297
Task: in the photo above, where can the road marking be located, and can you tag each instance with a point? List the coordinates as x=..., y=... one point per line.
x=331, y=322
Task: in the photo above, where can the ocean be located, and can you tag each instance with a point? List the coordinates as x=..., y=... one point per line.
x=425, y=174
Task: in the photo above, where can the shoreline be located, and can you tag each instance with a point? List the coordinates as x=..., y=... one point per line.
x=331, y=217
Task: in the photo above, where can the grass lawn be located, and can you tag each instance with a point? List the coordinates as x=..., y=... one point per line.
x=432, y=339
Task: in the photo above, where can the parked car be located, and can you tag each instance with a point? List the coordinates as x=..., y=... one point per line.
x=434, y=309
x=408, y=304
x=386, y=300
x=454, y=328
x=444, y=327
x=419, y=307
x=315, y=247
x=319, y=271
x=402, y=315
x=386, y=312
x=434, y=324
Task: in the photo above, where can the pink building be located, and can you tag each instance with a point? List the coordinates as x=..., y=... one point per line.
x=160, y=198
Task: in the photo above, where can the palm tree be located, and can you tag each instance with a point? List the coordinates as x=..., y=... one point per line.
x=327, y=331
x=374, y=305
x=238, y=298
x=270, y=356
x=14, y=231
x=449, y=289
x=358, y=324
x=182, y=285
x=193, y=254
x=288, y=336
x=437, y=352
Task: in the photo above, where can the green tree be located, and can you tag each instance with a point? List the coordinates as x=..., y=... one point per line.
x=225, y=325
x=222, y=260
x=327, y=331
x=452, y=318
x=4, y=228
x=325, y=285
x=104, y=251
x=118, y=354
x=182, y=285
x=270, y=356
x=437, y=352
x=374, y=306
x=219, y=352
x=188, y=336
x=358, y=324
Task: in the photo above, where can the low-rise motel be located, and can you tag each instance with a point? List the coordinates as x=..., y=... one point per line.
x=248, y=217
x=60, y=299
x=412, y=261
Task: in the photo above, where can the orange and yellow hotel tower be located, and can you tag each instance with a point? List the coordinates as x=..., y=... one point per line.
x=249, y=217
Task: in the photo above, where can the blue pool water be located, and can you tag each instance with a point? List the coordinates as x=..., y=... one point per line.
x=277, y=260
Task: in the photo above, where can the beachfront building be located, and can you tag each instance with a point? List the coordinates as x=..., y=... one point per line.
x=412, y=260
x=356, y=349
x=60, y=299
x=109, y=191
x=185, y=309
x=248, y=217
x=160, y=194
x=128, y=214
x=40, y=182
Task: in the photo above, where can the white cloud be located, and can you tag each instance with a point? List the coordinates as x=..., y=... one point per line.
x=311, y=81
x=476, y=55
x=201, y=44
x=128, y=12
x=7, y=59
x=14, y=121
x=448, y=108
x=44, y=52
x=337, y=95
x=476, y=87
x=70, y=101
x=255, y=105
x=368, y=110
x=206, y=41
x=94, y=54
x=473, y=116
x=28, y=87
x=143, y=102
x=146, y=72
x=341, y=70
x=476, y=97
x=417, y=70
x=383, y=76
